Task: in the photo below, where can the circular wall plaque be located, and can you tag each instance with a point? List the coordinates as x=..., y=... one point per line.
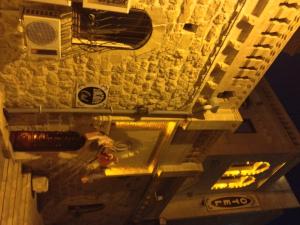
x=91, y=95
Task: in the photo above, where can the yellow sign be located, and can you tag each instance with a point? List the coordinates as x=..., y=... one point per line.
x=241, y=175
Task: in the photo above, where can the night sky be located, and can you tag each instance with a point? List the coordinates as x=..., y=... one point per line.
x=284, y=76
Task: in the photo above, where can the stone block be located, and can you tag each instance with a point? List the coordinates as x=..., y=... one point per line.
x=157, y=15
x=186, y=40
x=206, y=49
x=212, y=9
x=212, y=34
x=187, y=8
x=198, y=14
x=40, y=184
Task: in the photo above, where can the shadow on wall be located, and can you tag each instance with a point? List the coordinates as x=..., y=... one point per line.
x=11, y=40
x=284, y=79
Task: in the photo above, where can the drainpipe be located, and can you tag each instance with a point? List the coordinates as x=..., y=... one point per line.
x=134, y=112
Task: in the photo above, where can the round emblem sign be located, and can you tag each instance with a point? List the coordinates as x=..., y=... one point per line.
x=91, y=95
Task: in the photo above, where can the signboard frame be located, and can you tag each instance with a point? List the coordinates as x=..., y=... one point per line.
x=231, y=202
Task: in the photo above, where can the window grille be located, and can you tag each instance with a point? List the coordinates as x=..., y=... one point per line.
x=110, y=29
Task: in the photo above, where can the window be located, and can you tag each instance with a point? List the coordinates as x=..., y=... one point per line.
x=110, y=29
x=190, y=27
x=226, y=94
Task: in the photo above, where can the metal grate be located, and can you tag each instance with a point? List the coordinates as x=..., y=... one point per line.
x=114, y=2
x=40, y=33
x=91, y=26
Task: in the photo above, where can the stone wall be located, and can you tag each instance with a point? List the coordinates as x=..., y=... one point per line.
x=160, y=75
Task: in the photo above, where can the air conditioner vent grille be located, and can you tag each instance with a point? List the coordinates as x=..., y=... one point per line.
x=41, y=12
x=40, y=33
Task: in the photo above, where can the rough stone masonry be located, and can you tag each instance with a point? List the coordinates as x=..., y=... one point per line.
x=161, y=75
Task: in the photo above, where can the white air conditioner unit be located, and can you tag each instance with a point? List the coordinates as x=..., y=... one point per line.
x=55, y=2
x=47, y=33
x=121, y=6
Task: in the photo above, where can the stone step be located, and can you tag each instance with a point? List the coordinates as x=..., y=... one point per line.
x=7, y=192
x=3, y=183
x=17, y=205
x=12, y=199
x=18, y=199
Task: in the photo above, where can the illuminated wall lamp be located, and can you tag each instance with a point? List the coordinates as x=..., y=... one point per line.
x=141, y=125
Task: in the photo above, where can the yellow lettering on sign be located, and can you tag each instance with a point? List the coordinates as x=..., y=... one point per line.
x=241, y=175
x=235, y=182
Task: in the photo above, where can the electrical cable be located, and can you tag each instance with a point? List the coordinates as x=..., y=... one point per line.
x=96, y=27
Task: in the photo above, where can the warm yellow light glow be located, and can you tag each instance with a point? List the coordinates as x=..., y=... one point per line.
x=248, y=169
x=219, y=185
x=139, y=124
x=274, y=171
x=244, y=181
x=127, y=171
x=241, y=175
x=232, y=173
x=239, y=182
x=170, y=128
